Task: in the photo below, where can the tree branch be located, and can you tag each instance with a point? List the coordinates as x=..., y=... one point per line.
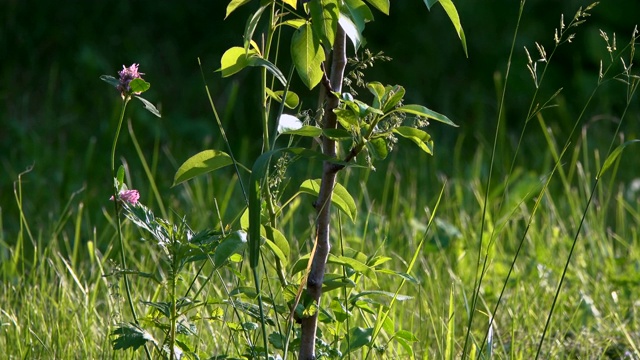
x=323, y=205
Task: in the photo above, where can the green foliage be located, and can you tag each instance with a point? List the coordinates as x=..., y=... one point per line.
x=57, y=302
x=201, y=163
x=341, y=197
x=307, y=55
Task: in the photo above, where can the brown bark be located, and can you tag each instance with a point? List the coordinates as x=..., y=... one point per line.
x=323, y=204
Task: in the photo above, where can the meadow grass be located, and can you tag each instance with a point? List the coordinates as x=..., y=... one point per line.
x=61, y=295
x=57, y=303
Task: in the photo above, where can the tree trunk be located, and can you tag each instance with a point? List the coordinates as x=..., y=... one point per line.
x=323, y=204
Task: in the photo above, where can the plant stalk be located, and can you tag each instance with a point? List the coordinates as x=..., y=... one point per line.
x=315, y=277
x=127, y=286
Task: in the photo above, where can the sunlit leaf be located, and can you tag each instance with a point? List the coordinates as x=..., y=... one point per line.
x=306, y=130
x=256, y=60
x=281, y=245
x=291, y=101
x=120, y=175
x=425, y=112
x=341, y=197
x=351, y=30
x=406, y=335
x=292, y=3
x=346, y=118
x=377, y=89
x=139, y=86
x=307, y=55
x=233, y=5
x=324, y=19
x=378, y=148
x=382, y=5
x=452, y=12
x=394, y=98
x=359, y=13
x=354, y=264
x=421, y=138
x=234, y=60
x=294, y=23
x=379, y=293
x=201, y=163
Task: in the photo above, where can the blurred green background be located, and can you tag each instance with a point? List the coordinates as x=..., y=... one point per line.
x=59, y=118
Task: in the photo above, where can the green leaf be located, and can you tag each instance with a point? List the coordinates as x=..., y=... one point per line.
x=162, y=306
x=382, y=5
x=291, y=3
x=428, y=113
x=614, y=155
x=378, y=148
x=139, y=85
x=353, y=264
x=341, y=197
x=406, y=335
x=307, y=55
x=359, y=13
x=387, y=294
x=395, y=94
x=291, y=101
x=281, y=244
x=110, y=80
x=358, y=338
x=324, y=19
x=294, y=23
x=120, y=175
x=256, y=60
x=252, y=23
x=130, y=336
x=377, y=89
x=346, y=118
x=258, y=173
x=452, y=12
x=337, y=134
x=235, y=243
x=350, y=28
x=277, y=340
x=233, y=5
x=407, y=348
x=234, y=60
x=237, y=58
x=149, y=106
x=430, y=3
x=421, y=138
x=306, y=130
x=201, y=163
